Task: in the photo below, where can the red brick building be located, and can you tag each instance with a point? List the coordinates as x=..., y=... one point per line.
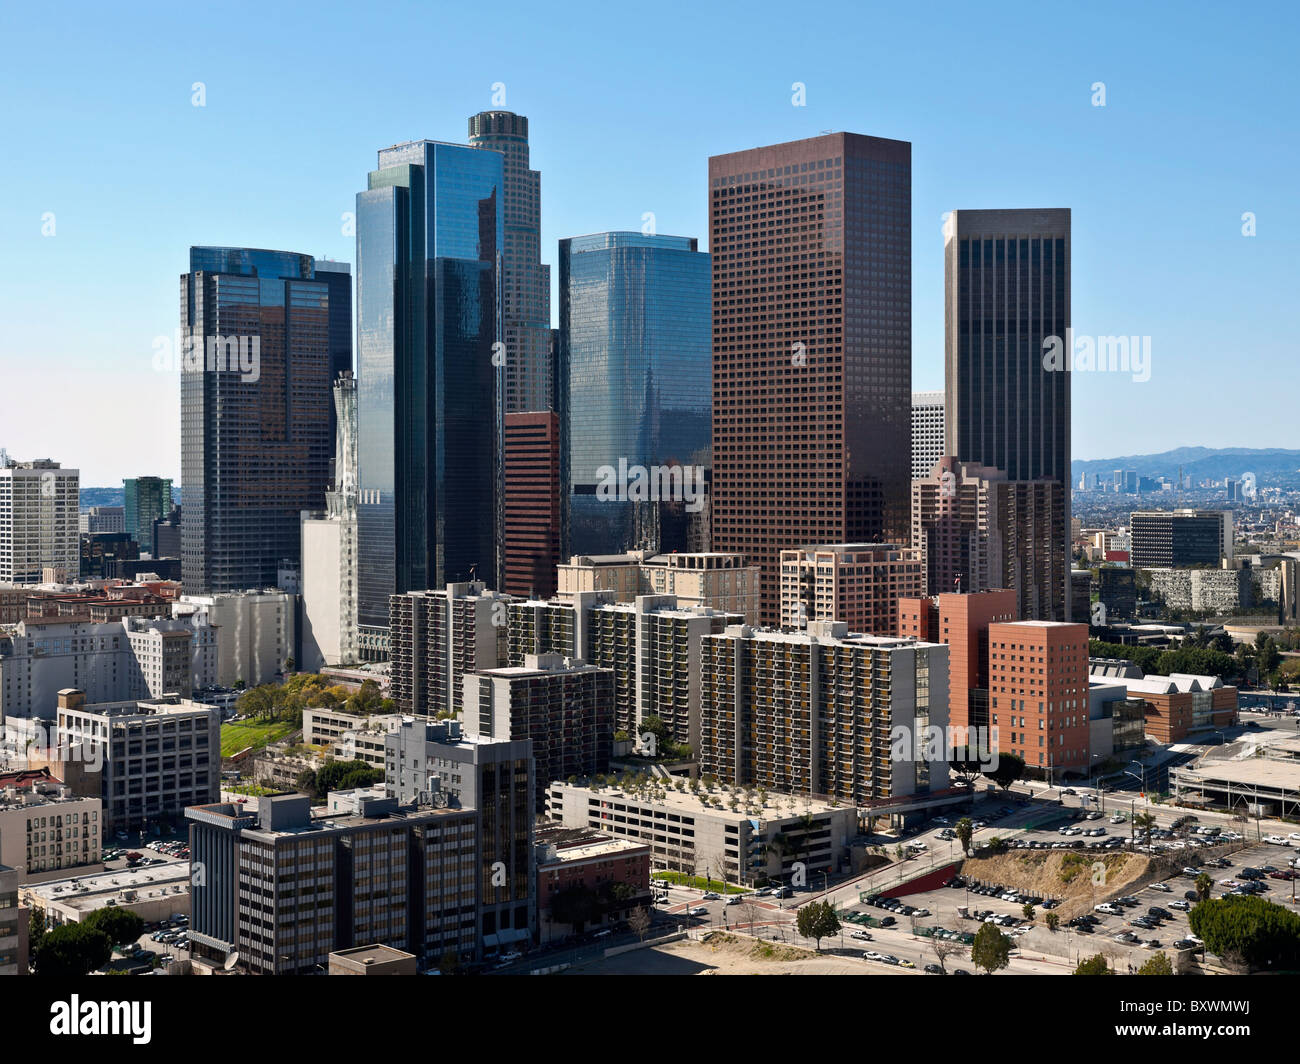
x=533, y=503
x=1038, y=695
x=568, y=858
x=962, y=622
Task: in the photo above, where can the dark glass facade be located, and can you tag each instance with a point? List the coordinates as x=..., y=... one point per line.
x=634, y=342
x=812, y=347
x=145, y=500
x=255, y=441
x=430, y=391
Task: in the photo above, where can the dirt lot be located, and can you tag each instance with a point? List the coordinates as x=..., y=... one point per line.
x=1066, y=875
x=722, y=954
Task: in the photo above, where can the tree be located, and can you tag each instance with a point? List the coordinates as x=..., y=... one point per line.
x=943, y=948
x=991, y=949
x=1248, y=932
x=1053, y=921
x=1203, y=885
x=305, y=783
x=1028, y=910
x=1158, y=964
x=1096, y=965
x=72, y=949
x=575, y=906
x=965, y=831
x=1009, y=769
x=120, y=925
x=966, y=764
x=818, y=920
x=639, y=922
x=35, y=931
x=346, y=775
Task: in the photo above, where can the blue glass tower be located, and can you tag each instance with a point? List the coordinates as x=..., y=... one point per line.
x=430, y=385
x=635, y=341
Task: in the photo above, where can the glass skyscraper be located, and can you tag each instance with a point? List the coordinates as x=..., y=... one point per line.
x=255, y=402
x=144, y=501
x=430, y=382
x=635, y=341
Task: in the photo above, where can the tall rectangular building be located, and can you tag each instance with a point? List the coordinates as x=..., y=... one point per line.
x=534, y=503
x=812, y=348
x=1038, y=694
x=857, y=583
x=430, y=381
x=255, y=403
x=927, y=432
x=144, y=501
x=526, y=283
x=1006, y=296
x=634, y=340
x=39, y=519
x=1172, y=538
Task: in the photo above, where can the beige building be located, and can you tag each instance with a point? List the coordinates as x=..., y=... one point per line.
x=372, y=960
x=702, y=835
x=155, y=893
x=857, y=583
x=349, y=737
x=44, y=826
x=710, y=579
x=13, y=925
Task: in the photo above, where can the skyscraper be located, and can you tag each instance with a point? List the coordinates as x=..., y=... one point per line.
x=534, y=502
x=812, y=355
x=145, y=500
x=927, y=432
x=38, y=521
x=525, y=283
x=255, y=400
x=634, y=337
x=337, y=277
x=430, y=381
x=1006, y=292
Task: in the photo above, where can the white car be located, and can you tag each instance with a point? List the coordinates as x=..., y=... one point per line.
x=1276, y=840
x=1294, y=836
x=861, y=936
x=698, y=910
x=921, y=912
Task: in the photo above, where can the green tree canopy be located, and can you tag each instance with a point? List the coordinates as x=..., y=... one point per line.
x=72, y=950
x=818, y=920
x=1158, y=964
x=991, y=949
x=1009, y=769
x=1248, y=932
x=120, y=925
x=1096, y=965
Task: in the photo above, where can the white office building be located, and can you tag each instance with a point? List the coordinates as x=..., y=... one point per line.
x=39, y=522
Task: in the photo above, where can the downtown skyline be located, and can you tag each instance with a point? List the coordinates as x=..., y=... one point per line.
x=1157, y=223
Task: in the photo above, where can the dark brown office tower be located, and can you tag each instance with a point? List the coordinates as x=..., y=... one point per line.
x=812, y=347
x=1007, y=291
x=533, y=502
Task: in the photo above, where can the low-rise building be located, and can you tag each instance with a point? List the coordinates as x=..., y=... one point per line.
x=373, y=960
x=614, y=872
x=157, y=892
x=158, y=755
x=763, y=837
x=44, y=826
x=1180, y=704
x=349, y=736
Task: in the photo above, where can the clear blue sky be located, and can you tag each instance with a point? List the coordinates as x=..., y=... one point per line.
x=626, y=104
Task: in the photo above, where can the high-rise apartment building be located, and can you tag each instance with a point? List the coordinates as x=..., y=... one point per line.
x=430, y=380
x=1169, y=538
x=255, y=632
x=1038, y=694
x=927, y=432
x=1007, y=298
x=977, y=530
x=39, y=521
x=439, y=636
x=255, y=413
x=824, y=712
x=961, y=621
x=634, y=338
x=526, y=282
x=565, y=706
x=812, y=357
x=534, y=503
x=329, y=550
x=857, y=583
x=144, y=501
x=651, y=645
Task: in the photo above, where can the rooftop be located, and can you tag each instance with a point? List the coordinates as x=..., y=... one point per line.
x=776, y=808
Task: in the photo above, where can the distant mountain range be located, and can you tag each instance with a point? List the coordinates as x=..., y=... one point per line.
x=1197, y=462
